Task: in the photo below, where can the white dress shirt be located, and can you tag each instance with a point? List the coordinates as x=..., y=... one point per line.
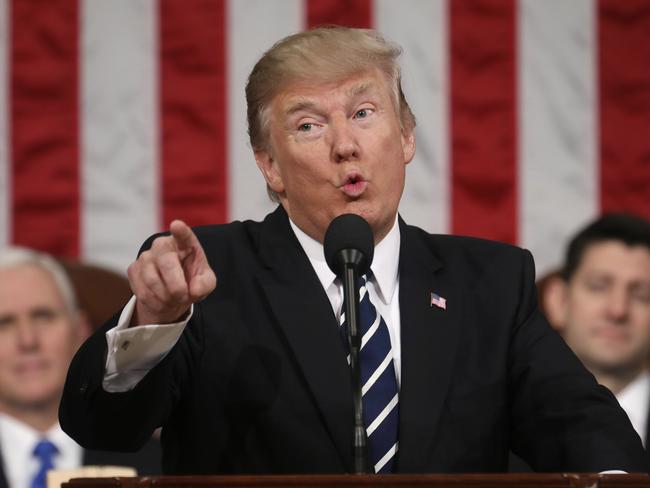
x=17, y=442
x=383, y=288
x=634, y=399
x=132, y=352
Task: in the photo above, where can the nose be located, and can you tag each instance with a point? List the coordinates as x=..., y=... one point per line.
x=618, y=305
x=26, y=335
x=344, y=145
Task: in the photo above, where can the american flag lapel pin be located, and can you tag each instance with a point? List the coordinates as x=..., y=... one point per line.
x=438, y=301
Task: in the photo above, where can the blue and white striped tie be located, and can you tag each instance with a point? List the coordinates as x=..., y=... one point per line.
x=379, y=390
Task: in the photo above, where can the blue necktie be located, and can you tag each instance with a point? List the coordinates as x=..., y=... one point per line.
x=379, y=384
x=44, y=452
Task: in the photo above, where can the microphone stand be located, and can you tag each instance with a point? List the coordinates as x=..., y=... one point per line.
x=351, y=305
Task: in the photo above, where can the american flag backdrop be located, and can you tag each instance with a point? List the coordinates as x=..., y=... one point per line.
x=117, y=116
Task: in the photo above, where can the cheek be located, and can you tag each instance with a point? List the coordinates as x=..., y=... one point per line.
x=60, y=342
x=578, y=318
x=585, y=303
x=5, y=371
x=306, y=176
x=6, y=349
x=386, y=143
x=640, y=316
x=9, y=354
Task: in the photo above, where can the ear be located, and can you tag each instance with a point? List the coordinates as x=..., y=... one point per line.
x=555, y=301
x=83, y=329
x=408, y=145
x=270, y=170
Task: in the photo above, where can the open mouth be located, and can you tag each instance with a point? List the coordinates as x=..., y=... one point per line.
x=354, y=186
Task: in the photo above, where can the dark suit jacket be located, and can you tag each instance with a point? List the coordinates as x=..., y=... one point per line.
x=647, y=441
x=259, y=383
x=146, y=461
x=517, y=465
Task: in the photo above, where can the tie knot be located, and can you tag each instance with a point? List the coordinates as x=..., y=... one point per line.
x=44, y=450
x=363, y=280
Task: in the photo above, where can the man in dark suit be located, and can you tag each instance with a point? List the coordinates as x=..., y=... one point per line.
x=41, y=327
x=250, y=375
x=600, y=303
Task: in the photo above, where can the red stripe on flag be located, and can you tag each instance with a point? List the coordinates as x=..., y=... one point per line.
x=483, y=118
x=351, y=13
x=44, y=122
x=194, y=141
x=624, y=70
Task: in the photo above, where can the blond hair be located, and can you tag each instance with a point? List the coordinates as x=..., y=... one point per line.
x=320, y=55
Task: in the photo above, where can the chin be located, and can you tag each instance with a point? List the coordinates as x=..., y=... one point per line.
x=617, y=365
x=361, y=208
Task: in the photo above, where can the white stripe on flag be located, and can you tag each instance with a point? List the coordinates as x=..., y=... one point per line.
x=5, y=194
x=119, y=129
x=558, y=167
x=377, y=373
x=380, y=418
x=254, y=25
x=420, y=27
x=387, y=457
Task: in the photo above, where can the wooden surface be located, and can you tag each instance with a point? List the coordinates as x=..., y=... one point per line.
x=366, y=481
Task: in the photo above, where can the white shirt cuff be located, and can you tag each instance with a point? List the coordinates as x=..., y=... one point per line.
x=134, y=351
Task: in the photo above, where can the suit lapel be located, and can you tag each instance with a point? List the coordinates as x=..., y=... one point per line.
x=305, y=315
x=429, y=339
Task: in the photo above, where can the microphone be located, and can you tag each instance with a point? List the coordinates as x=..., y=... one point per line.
x=349, y=243
x=349, y=248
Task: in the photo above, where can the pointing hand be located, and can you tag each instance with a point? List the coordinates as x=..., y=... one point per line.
x=169, y=277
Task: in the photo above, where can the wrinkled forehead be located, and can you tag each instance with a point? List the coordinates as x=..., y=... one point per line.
x=309, y=94
x=303, y=95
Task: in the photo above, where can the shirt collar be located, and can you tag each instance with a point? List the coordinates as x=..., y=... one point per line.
x=13, y=430
x=385, y=264
x=637, y=389
x=19, y=436
x=22, y=439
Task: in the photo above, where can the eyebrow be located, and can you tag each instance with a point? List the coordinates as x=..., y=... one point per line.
x=360, y=88
x=302, y=103
x=298, y=105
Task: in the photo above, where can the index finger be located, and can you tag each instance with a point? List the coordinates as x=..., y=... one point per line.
x=183, y=235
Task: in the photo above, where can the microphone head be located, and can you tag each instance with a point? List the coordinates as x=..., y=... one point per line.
x=349, y=241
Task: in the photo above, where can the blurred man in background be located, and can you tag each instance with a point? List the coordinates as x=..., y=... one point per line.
x=41, y=327
x=601, y=305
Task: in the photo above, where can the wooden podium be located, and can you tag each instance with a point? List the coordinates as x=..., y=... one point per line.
x=559, y=480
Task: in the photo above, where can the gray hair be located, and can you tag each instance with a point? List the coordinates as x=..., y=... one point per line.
x=13, y=256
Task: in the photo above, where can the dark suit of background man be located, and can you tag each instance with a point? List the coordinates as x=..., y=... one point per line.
x=41, y=327
x=257, y=380
x=601, y=305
